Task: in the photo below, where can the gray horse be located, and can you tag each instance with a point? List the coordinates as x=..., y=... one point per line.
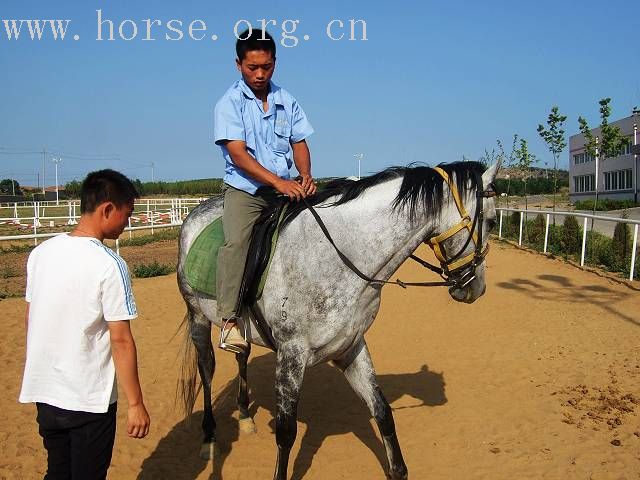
x=318, y=309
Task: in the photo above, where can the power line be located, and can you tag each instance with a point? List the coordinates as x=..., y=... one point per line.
x=19, y=153
x=69, y=155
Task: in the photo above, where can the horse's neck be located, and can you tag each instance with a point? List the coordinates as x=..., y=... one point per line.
x=372, y=234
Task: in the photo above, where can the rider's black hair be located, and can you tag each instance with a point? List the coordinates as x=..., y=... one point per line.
x=253, y=39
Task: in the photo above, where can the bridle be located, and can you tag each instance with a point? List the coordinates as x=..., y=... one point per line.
x=457, y=271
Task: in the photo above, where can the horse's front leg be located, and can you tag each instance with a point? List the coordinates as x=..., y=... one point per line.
x=245, y=421
x=290, y=367
x=359, y=371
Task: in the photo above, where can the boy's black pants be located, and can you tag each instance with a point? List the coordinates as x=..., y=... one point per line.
x=79, y=444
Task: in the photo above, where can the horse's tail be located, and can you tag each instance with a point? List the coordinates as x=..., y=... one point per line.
x=187, y=389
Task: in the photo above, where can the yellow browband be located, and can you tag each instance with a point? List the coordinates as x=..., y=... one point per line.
x=464, y=223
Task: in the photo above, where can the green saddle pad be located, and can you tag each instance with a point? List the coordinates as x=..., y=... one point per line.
x=200, y=266
x=202, y=258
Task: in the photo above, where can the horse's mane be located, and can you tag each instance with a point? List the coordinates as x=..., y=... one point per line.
x=422, y=187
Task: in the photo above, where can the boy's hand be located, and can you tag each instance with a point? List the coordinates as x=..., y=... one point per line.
x=307, y=183
x=138, y=421
x=291, y=189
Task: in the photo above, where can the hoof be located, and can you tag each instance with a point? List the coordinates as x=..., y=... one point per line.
x=208, y=450
x=400, y=474
x=246, y=425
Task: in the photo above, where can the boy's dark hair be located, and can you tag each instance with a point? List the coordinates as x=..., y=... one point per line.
x=106, y=186
x=254, y=40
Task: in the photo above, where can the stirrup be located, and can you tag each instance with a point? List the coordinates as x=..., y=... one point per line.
x=224, y=334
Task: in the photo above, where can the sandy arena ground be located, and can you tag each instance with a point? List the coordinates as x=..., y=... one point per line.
x=540, y=378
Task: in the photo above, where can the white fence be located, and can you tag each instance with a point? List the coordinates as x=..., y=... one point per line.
x=585, y=228
x=148, y=214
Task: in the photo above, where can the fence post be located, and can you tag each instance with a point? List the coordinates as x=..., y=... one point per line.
x=633, y=251
x=500, y=227
x=150, y=215
x=69, y=219
x=546, y=234
x=520, y=236
x=584, y=242
x=15, y=214
x=36, y=211
x=35, y=222
x=118, y=246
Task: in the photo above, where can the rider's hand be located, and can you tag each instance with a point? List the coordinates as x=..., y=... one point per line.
x=291, y=189
x=307, y=183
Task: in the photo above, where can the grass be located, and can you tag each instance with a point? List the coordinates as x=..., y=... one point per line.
x=153, y=269
x=9, y=272
x=136, y=241
x=17, y=248
x=605, y=204
x=158, y=236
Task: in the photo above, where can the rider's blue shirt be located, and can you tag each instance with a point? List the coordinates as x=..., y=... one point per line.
x=268, y=135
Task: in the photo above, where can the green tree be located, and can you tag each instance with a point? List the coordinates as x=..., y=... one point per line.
x=489, y=157
x=621, y=245
x=523, y=161
x=607, y=145
x=507, y=160
x=553, y=136
x=9, y=186
x=72, y=189
x=139, y=187
x=536, y=234
x=571, y=235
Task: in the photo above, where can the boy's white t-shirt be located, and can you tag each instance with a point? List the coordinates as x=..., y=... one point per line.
x=75, y=285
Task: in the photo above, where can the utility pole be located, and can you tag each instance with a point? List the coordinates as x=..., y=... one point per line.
x=359, y=157
x=153, y=172
x=635, y=164
x=595, y=203
x=44, y=159
x=56, y=161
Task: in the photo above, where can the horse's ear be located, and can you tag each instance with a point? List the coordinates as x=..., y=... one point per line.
x=489, y=174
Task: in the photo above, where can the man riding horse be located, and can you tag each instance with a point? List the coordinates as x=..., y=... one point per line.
x=259, y=127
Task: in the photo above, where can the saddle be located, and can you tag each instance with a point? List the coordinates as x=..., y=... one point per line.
x=261, y=247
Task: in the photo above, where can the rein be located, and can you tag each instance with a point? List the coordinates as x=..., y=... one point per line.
x=355, y=269
x=448, y=266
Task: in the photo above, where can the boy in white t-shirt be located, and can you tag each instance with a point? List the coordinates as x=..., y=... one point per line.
x=79, y=303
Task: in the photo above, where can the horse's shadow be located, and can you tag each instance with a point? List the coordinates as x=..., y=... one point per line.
x=328, y=407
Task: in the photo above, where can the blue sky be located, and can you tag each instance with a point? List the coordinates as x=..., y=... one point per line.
x=433, y=81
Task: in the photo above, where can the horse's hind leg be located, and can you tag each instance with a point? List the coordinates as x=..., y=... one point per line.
x=201, y=337
x=359, y=371
x=245, y=420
